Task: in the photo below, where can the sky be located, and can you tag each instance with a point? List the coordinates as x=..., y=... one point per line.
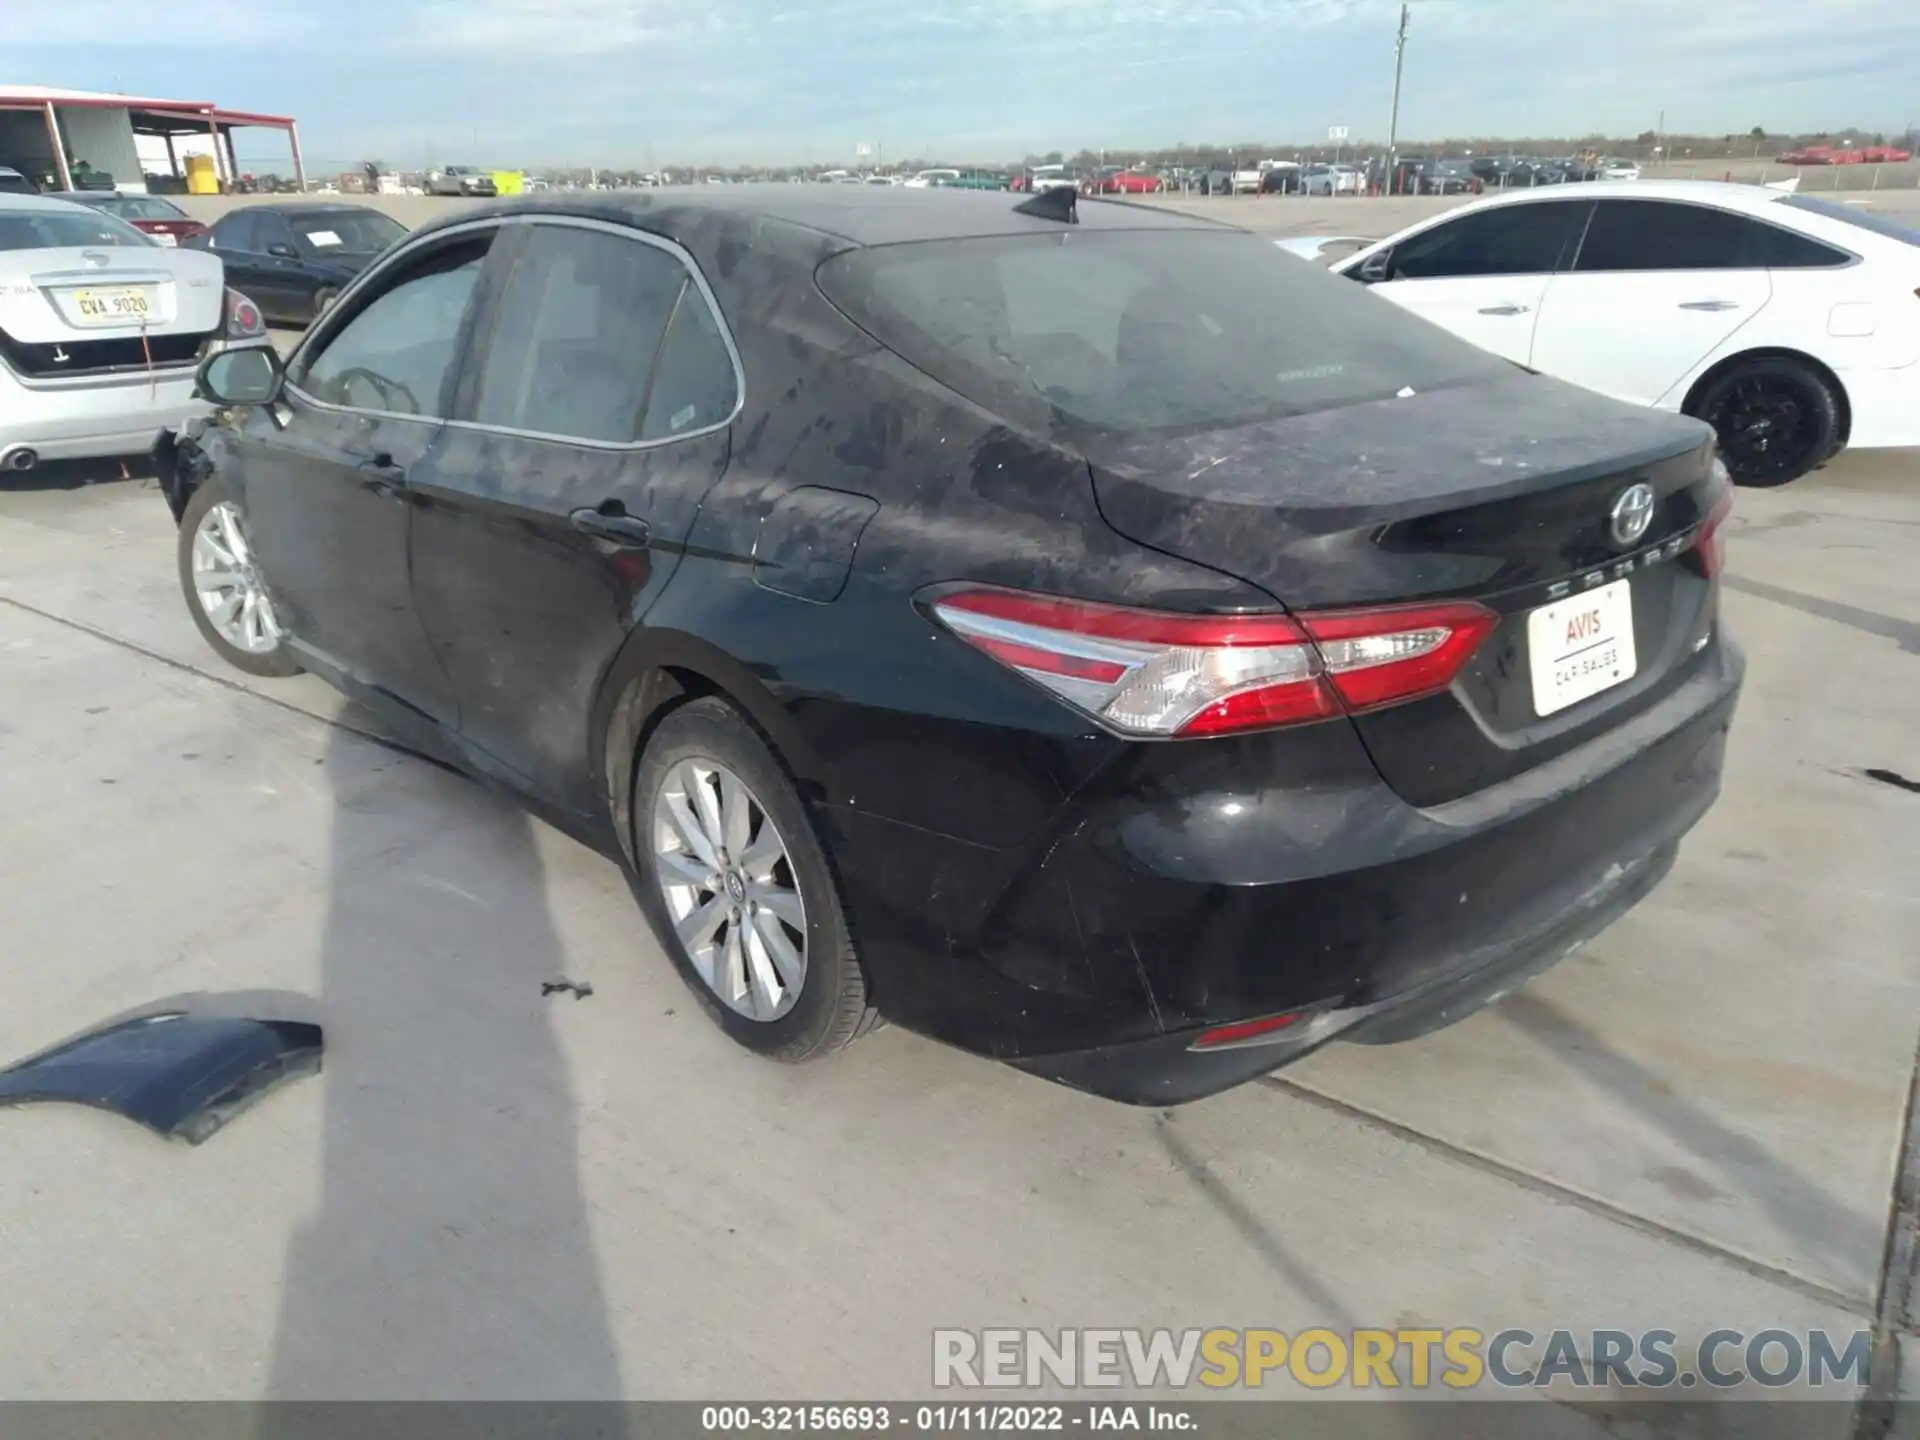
x=651, y=82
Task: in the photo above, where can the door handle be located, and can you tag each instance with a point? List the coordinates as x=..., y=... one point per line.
x=1709, y=304
x=383, y=477
x=611, y=522
x=1506, y=308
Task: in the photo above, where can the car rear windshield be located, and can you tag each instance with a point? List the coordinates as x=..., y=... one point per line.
x=52, y=229
x=139, y=207
x=362, y=232
x=1142, y=331
x=1852, y=215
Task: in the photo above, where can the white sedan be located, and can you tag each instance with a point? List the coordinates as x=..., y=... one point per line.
x=100, y=332
x=1788, y=323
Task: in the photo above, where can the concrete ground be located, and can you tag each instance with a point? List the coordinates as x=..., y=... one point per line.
x=1695, y=1122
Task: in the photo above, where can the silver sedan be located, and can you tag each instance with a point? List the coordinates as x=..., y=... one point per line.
x=100, y=332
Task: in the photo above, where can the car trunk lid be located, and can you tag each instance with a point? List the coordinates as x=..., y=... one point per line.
x=168, y=232
x=1501, y=493
x=111, y=291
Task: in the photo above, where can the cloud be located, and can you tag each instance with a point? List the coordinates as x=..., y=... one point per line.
x=103, y=24
x=612, y=80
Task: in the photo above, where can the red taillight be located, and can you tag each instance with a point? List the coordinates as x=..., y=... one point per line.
x=1243, y=1031
x=1150, y=673
x=1711, y=544
x=1381, y=657
x=244, y=320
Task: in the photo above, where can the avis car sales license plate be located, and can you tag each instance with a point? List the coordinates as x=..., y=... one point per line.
x=1581, y=646
x=123, y=305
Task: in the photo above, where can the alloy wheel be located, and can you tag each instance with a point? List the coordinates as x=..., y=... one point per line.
x=227, y=579
x=730, y=889
x=1766, y=427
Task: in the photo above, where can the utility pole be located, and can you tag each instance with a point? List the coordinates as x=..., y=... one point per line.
x=1393, y=120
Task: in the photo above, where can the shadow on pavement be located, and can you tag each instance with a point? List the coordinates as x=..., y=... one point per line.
x=77, y=474
x=1255, y=1231
x=449, y=1254
x=1801, y=1209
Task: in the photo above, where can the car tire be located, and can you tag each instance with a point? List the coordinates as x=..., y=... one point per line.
x=1777, y=418
x=709, y=740
x=232, y=642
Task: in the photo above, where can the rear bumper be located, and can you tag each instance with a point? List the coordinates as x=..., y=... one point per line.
x=1885, y=406
x=118, y=416
x=1201, y=885
x=1167, y=1070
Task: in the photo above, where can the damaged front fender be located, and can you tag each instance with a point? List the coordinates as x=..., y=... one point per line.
x=182, y=462
x=182, y=1076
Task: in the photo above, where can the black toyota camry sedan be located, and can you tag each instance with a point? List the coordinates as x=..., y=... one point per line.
x=1078, y=632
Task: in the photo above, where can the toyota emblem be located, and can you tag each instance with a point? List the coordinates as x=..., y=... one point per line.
x=1632, y=514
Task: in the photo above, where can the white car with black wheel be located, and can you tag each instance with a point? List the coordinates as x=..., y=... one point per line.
x=100, y=331
x=1788, y=323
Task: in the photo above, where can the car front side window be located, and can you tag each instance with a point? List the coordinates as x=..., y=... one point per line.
x=236, y=233
x=1532, y=238
x=271, y=230
x=396, y=353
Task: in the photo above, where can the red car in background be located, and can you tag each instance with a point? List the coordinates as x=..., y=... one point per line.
x=163, y=220
x=1133, y=182
x=1847, y=155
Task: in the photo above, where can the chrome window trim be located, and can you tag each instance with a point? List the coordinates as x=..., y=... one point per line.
x=319, y=336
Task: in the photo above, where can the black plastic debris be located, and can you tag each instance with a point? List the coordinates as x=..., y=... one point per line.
x=579, y=989
x=182, y=1076
x=1056, y=202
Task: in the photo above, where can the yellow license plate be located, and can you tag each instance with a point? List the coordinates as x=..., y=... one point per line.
x=106, y=307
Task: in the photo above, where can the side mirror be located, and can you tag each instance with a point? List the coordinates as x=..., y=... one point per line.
x=1375, y=268
x=284, y=251
x=247, y=376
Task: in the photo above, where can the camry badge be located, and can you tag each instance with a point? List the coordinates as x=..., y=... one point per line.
x=1632, y=513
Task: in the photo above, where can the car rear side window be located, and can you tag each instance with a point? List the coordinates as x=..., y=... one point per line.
x=694, y=385
x=1779, y=249
x=1884, y=226
x=396, y=352
x=1529, y=239
x=579, y=325
x=1142, y=331
x=1666, y=235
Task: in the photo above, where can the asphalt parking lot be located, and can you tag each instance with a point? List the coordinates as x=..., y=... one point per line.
x=1693, y=1123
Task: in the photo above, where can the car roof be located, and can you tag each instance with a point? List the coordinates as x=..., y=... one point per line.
x=856, y=214
x=35, y=202
x=300, y=207
x=87, y=197
x=1748, y=199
